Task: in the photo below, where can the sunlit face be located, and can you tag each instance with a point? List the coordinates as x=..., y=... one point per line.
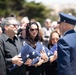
x=55, y=38
x=33, y=30
x=62, y=27
x=13, y=25
x=11, y=29
x=48, y=23
x=14, y=28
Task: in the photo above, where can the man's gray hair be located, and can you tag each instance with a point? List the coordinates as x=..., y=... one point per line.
x=6, y=21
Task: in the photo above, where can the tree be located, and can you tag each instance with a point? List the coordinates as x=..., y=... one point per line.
x=8, y=6
x=35, y=10
x=72, y=11
x=23, y=8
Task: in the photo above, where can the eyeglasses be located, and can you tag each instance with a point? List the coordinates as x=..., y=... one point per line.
x=33, y=29
x=12, y=25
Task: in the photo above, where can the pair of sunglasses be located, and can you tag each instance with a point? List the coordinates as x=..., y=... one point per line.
x=33, y=29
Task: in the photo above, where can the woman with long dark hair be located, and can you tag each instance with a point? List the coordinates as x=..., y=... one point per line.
x=32, y=37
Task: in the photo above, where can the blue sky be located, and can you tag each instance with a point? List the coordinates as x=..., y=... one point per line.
x=54, y=1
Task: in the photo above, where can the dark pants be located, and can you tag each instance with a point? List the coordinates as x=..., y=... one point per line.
x=50, y=68
x=34, y=70
x=17, y=71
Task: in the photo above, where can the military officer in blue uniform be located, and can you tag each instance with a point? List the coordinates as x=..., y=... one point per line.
x=67, y=45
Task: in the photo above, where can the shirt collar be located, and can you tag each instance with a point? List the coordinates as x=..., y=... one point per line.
x=7, y=38
x=69, y=31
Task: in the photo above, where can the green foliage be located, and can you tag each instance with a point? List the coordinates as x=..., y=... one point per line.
x=23, y=8
x=35, y=10
x=70, y=11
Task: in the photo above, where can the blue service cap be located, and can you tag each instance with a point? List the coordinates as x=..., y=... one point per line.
x=67, y=18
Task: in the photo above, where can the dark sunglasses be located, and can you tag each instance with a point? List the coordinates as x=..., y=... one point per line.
x=33, y=29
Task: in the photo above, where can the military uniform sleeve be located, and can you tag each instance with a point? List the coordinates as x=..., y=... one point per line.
x=63, y=58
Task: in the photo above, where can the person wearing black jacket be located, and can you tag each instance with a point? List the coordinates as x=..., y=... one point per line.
x=11, y=46
x=32, y=37
x=2, y=63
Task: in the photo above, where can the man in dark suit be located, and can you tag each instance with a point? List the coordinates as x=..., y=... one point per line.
x=10, y=46
x=67, y=45
x=2, y=63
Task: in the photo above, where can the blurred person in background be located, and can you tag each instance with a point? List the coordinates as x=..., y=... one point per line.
x=40, y=31
x=22, y=29
x=12, y=15
x=1, y=19
x=0, y=30
x=33, y=20
x=47, y=29
x=24, y=21
x=55, y=25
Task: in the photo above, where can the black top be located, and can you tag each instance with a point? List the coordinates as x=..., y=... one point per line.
x=2, y=63
x=10, y=48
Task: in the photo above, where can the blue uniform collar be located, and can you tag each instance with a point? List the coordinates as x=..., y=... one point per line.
x=69, y=31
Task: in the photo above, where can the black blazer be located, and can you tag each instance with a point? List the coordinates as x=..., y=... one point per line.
x=2, y=63
x=11, y=48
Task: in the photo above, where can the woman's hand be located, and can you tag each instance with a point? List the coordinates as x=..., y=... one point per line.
x=53, y=57
x=39, y=63
x=44, y=56
x=28, y=62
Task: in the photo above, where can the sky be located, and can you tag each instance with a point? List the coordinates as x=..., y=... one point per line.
x=46, y=2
